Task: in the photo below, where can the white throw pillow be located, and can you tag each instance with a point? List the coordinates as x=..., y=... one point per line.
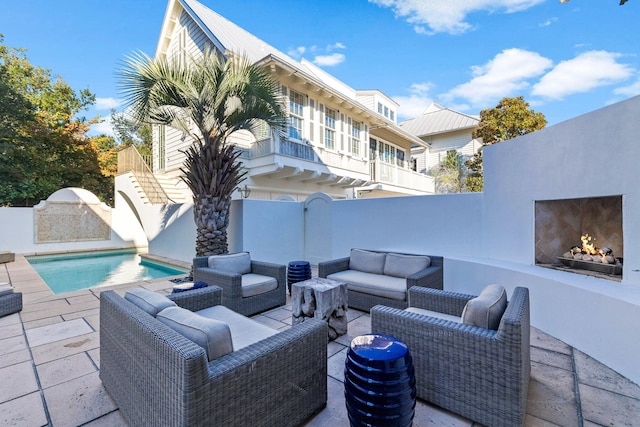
x=212, y=335
x=5, y=289
x=486, y=309
x=367, y=261
x=398, y=265
x=239, y=263
x=149, y=301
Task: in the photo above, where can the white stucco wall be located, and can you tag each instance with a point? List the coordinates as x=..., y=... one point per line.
x=17, y=233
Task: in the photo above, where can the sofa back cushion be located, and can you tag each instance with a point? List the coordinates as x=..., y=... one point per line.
x=367, y=261
x=239, y=263
x=398, y=265
x=212, y=335
x=149, y=301
x=486, y=309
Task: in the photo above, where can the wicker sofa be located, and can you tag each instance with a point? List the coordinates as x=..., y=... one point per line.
x=479, y=373
x=237, y=274
x=156, y=376
x=376, y=277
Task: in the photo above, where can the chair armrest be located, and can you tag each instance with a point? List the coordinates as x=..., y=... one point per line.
x=277, y=271
x=230, y=283
x=198, y=299
x=200, y=261
x=430, y=277
x=438, y=300
x=329, y=267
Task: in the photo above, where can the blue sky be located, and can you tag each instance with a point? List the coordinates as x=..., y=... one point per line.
x=565, y=59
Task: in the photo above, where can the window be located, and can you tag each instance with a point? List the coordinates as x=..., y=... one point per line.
x=400, y=157
x=330, y=116
x=356, y=129
x=386, y=111
x=296, y=104
x=380, y=107
x=392, y=115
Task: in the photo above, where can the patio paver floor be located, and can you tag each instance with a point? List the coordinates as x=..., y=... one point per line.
x=50, y=361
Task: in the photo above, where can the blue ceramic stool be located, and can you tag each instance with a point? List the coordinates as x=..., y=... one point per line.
x=298, y=271
x=379, y=382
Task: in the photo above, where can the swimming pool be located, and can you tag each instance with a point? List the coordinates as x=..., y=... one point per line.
x=72, y=272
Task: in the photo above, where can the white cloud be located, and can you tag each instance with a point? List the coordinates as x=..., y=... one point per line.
x=297, y=52
x=107, y=103
x=631, y=90
x=329, y=60
x=581, y=74
x=102, y=128
x=336, y=45
x=416, y=102
x=449, y=15
x=506, y=74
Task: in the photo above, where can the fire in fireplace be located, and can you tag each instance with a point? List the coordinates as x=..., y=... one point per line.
x=590, y=257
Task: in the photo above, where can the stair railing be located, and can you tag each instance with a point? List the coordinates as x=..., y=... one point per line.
x=130, y=160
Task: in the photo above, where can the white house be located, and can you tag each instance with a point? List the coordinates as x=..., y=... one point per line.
x=443, y=130
x=340, y=141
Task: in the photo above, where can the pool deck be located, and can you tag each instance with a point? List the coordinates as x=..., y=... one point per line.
x=50, y=360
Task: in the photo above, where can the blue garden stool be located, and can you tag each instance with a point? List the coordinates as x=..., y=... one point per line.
x=298, y=271
x=379, y=382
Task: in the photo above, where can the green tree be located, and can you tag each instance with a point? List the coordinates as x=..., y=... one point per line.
x=43, y=145
x=207, y=99
x=511, y=118
x=450, y=173
x=128, y=132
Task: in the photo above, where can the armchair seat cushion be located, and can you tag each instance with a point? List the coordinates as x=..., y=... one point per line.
x=239, y=263
x=256, y=284
x=373, y=284
x=149, y=301
x=244, y=331
x=212, y=335
x=435, y=314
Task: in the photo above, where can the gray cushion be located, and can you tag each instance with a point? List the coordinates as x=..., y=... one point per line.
x=398, y=265
x=244, y=331
x=373, y=284
x=366, y=261
x=212, y=335
x=149, y=301
x=256, y=284
x=5, y=289
x=486, y=309
x=239, y=263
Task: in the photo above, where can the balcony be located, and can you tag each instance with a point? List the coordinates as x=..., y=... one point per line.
x=401, y=177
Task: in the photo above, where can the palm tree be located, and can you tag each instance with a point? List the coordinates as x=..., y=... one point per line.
x=207, y=98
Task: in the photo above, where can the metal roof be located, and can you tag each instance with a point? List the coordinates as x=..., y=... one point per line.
x=439, y=119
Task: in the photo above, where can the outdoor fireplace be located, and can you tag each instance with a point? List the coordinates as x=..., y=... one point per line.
x=580, y=235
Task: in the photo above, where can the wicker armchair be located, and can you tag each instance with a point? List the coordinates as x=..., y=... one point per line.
x=478, y=373
x=10, y=303
x=232, y=285
x=156, y=376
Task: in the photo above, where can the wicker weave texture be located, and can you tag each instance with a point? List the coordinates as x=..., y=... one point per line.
x=158, y=377
x=10, y=303
x=478, y=373
x=231, y=285
x=430, y=277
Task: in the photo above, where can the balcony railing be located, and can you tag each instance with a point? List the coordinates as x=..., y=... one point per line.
x=386, y=173
x=305, y=152
x=130, y=160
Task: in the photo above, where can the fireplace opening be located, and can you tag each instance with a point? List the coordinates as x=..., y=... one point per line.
x=582, y=236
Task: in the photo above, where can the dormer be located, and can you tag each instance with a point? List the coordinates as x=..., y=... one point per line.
x=380, y=103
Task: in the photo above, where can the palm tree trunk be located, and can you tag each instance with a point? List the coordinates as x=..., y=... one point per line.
x=211, y=215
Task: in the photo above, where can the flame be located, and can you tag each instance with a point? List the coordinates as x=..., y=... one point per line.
x=587, y=246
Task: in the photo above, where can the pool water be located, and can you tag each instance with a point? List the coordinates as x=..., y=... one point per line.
x=72, y=272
